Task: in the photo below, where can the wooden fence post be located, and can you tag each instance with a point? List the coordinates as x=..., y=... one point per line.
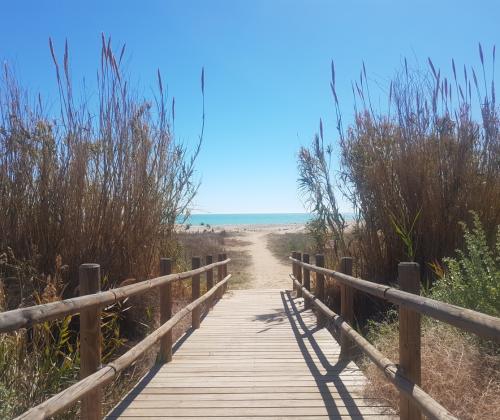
x=409, y=338
x=210, y=273
x=224, y=256
x=307, y=279
x=346, y=306
x=210, y=279
x=90, y=340
x=320, y=287
x=165, y=355
x=299, y=274
x=220, y=274
x=294, y=269
x=195, y=293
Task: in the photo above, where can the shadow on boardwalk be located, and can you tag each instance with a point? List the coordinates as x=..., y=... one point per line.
x=259, y=354
x=332, y=375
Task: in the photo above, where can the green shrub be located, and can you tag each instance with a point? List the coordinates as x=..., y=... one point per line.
x=472, y=279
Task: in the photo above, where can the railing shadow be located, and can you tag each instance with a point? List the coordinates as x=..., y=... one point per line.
x=332, y=375
x=125, y=402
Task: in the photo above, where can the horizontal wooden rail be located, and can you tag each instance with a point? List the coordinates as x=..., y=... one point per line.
x=76, y=392
x=26, y=317
x=465, y=319
x=425, y=402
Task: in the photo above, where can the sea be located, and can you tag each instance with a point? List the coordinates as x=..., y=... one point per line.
x=214, y=219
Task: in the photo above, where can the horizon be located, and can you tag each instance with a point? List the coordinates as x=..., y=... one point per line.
x=268, y=212
x=267, y=72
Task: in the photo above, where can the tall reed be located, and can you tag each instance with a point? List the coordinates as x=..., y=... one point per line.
x=413, y=169
x=102, y=181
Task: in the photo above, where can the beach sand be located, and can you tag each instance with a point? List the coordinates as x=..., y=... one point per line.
x=264, y=269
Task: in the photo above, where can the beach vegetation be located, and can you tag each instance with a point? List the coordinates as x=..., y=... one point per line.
x=95, y=178
x=423, y=176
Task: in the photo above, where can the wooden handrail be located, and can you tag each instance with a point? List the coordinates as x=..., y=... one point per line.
x=26, y=317
x=406, y=376
x=465, y=319
x=424, y=401
x=77, y=391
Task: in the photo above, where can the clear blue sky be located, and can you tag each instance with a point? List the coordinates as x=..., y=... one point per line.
x=267, y=65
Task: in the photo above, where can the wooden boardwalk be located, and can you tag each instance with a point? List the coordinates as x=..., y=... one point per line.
x=257, y=355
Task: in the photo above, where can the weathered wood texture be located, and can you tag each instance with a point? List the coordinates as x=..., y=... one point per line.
x=103, y=376
x=258, y=355
x=295, y=256
x=26, y=317
x=346, y=305
x=306, y=276
x=220, y=272
x=465, y=319
x=426, y=403
x=409, y=338
x=195, y=293
x=210, y=273
x=165, y=291
x=90, y=339
x=320, y=286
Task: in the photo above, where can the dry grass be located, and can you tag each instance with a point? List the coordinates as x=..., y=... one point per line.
x=418, y=169
x=283, y=244
x=240, y=261
x=412, y=169
x=98, y=184
x=456, y=371
x=102, y=180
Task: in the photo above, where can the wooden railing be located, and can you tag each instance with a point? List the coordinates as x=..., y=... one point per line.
x=406, y=375
x=89, y=304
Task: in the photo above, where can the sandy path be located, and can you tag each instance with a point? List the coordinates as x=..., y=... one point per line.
x=265, y=270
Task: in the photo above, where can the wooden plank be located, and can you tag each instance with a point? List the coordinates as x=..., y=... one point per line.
x=256, y=355
x=326, y=417
x=290, y=388
x=254, y=403
x=263, y=396
x=254, y=411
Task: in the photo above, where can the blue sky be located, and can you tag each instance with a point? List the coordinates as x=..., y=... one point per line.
x=267, y=70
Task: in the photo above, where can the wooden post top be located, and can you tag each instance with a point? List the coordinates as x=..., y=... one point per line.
x=409, y=277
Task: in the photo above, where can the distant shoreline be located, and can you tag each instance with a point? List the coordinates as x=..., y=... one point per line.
x=241, y=228
x=250, y=219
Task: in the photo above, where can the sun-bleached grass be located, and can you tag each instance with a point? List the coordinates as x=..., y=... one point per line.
x=457, y=371
x=283, y=244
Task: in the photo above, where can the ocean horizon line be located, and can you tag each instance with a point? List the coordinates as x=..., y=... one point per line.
x=257, y=212
x=227, y=219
